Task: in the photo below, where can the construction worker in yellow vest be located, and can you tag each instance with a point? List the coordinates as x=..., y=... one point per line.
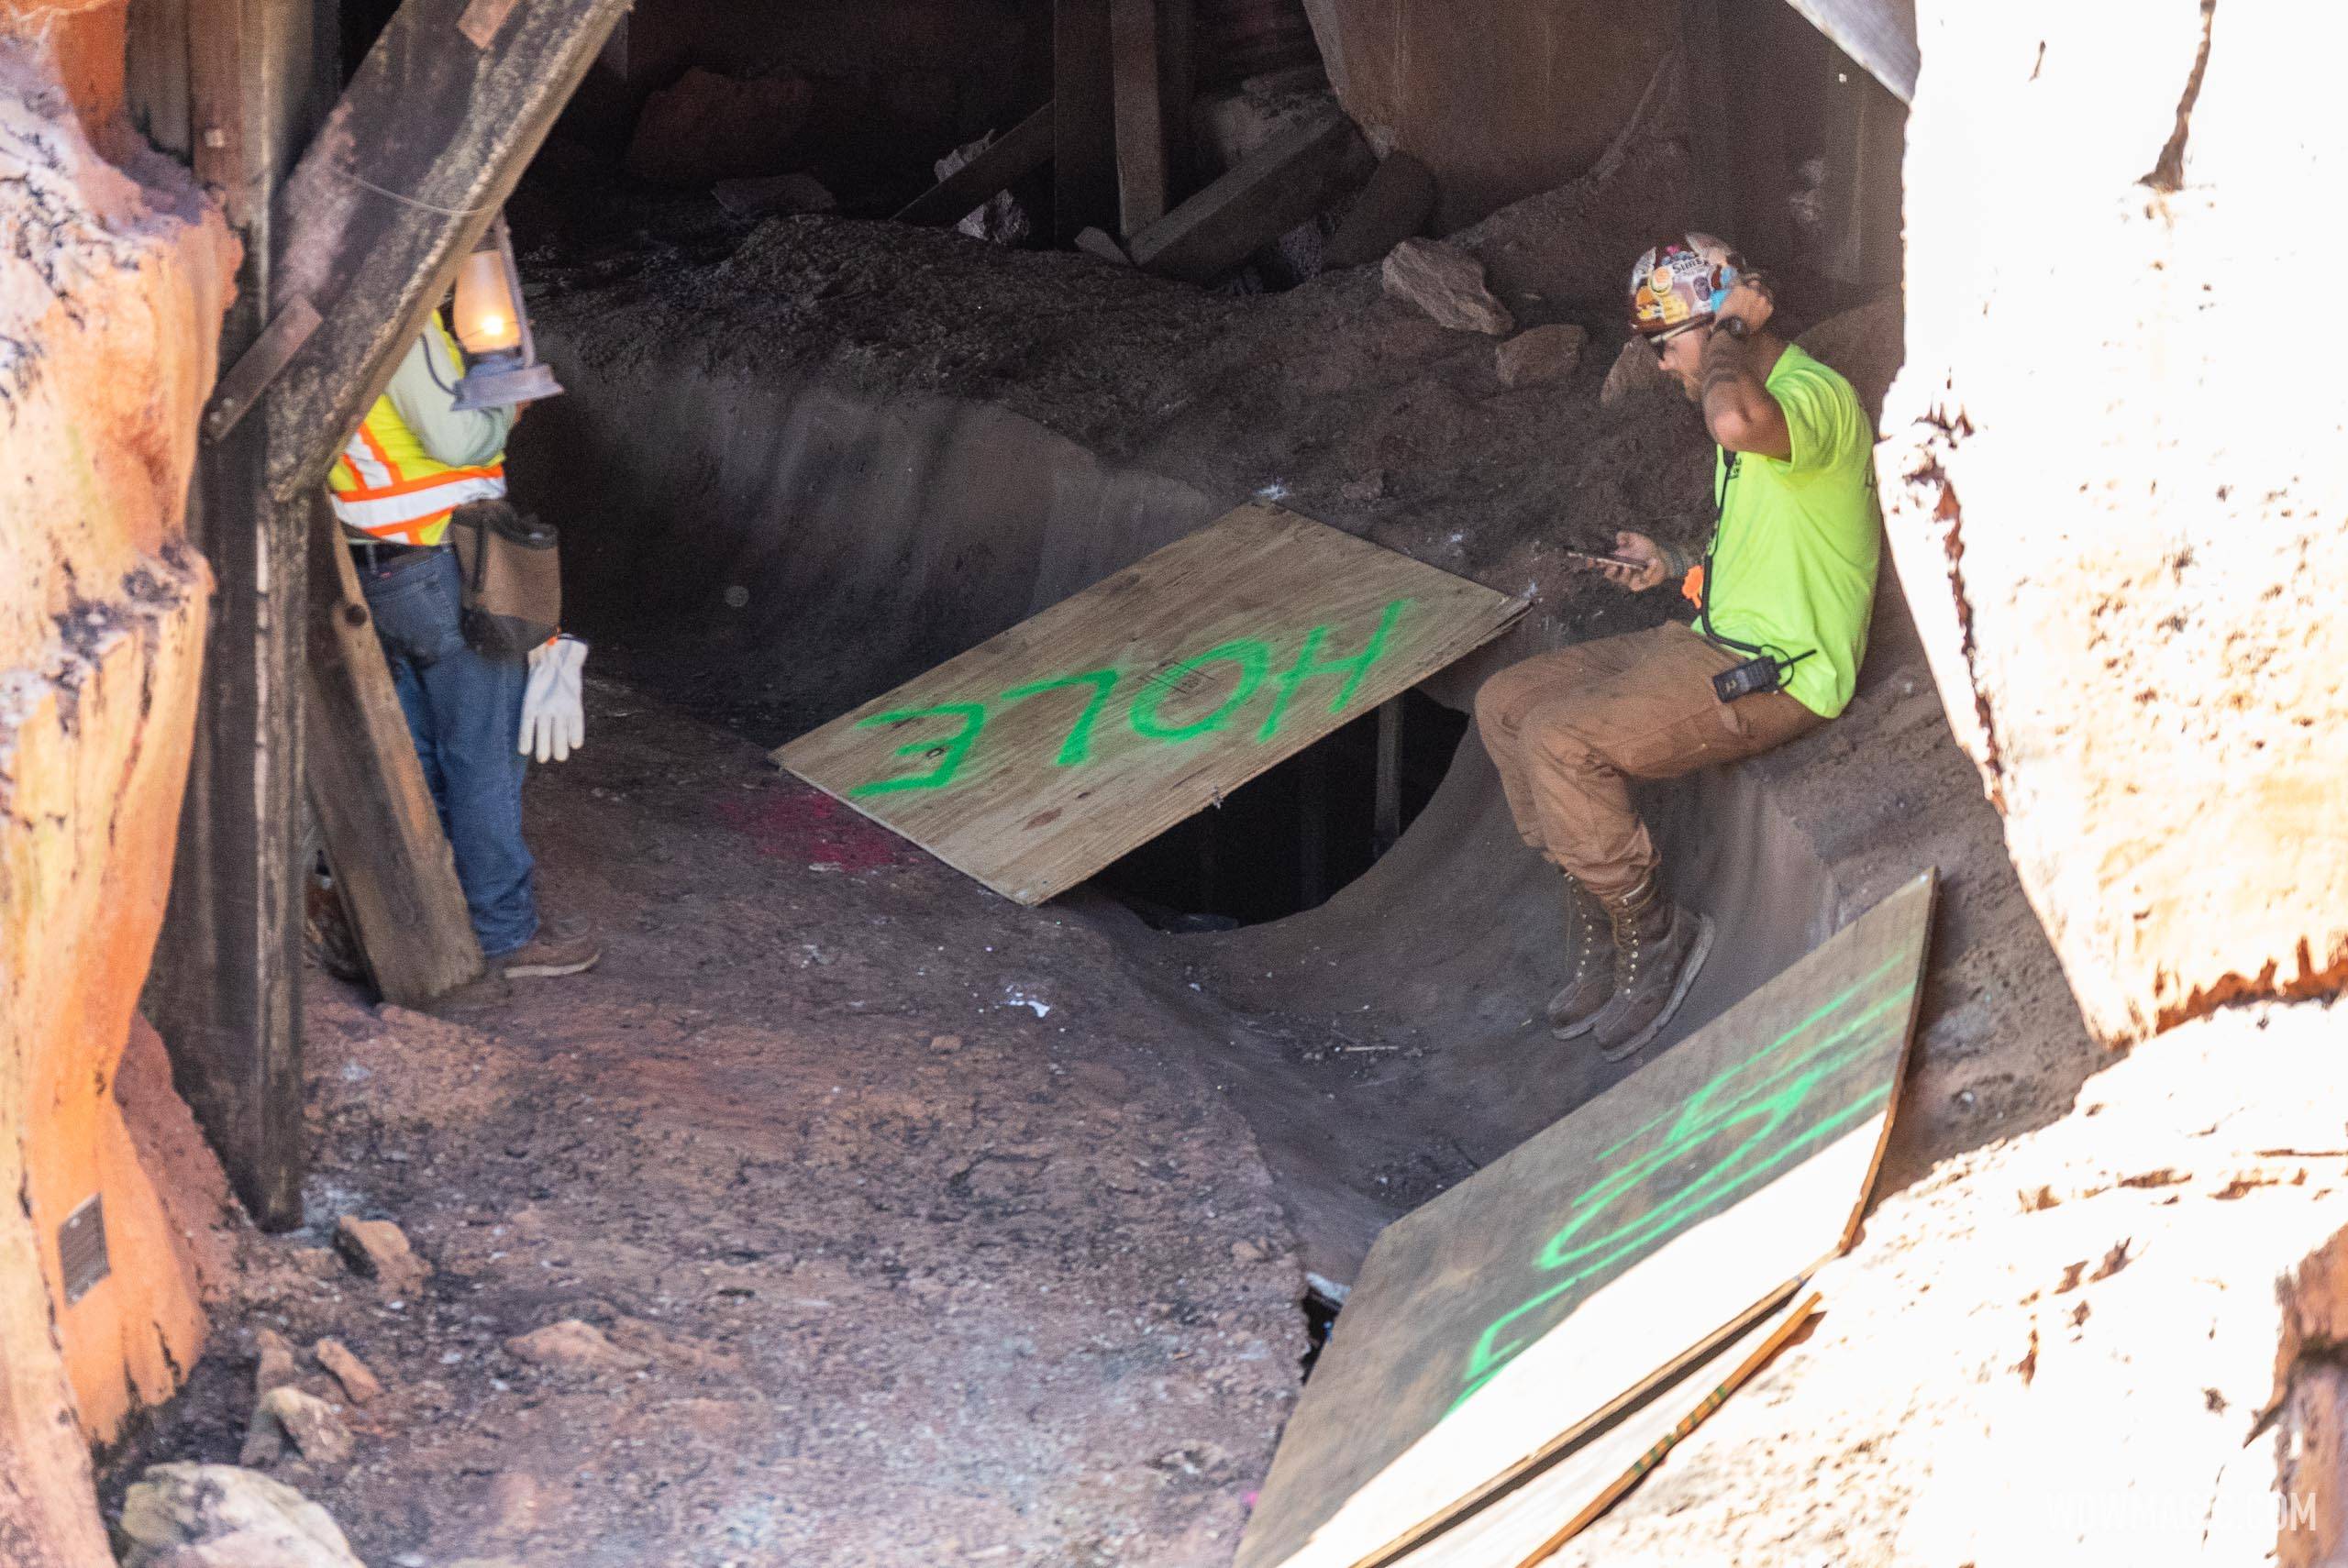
x=476, y=719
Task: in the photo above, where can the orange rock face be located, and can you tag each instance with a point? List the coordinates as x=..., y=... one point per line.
x=111, y=292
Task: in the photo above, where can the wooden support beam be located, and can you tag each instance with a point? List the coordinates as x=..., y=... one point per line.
x=1084, y=156
x=1178, y=75
x=1010, y=158
x=405, y=174
x=1135, y=74
x=250, y=376
x=382, y=834
x=1879, y=34
x=1386, y=811
x=224, y=992
x=1280, y=184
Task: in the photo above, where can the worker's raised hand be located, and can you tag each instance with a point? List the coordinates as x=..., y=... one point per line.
x=1638, y=547
x=1750, y=304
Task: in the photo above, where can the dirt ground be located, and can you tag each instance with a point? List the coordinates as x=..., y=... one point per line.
x=919, y=1236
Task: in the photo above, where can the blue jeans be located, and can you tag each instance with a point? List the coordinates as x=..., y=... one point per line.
x=465, y=712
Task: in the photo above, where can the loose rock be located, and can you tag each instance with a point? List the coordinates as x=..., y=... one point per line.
x=1449, y=285
x=274, y=1366
x=573, y=1346
x=773, y=193
x=305, y=1420
x=1634, y=374
x=1540, y=355
x=210, y=1515
x=709, y=127
x=379, y=1250
x=359, y=1382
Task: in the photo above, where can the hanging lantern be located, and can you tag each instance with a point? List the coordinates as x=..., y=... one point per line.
x=495, y=329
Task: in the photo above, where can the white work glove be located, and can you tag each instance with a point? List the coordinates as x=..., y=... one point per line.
x=554, y=715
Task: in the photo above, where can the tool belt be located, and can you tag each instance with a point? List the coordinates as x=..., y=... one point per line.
x=512, y=578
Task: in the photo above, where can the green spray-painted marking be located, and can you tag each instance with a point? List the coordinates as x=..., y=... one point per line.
x=1255, y=661
x=950, y=752
x=1764, y=1105
x=1309, y=664
x=1078, y=748
x=1253, y=654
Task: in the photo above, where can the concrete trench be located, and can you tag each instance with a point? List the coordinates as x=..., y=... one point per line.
x=820, y=545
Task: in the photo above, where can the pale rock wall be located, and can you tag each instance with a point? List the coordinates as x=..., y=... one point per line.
x=1501, y=98
x=111, y=294
x=2113, y=478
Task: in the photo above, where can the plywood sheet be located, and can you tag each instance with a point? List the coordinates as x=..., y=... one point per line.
x=1493, y=1328
x=1528, y=1524
x=1041, y=756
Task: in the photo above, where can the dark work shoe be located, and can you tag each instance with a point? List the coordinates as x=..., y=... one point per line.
x=1658, y=949
x=568, y=947
x=1589, y=958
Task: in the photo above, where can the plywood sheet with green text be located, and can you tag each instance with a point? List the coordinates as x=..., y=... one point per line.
x=1494, y=1328
x=1038, y=758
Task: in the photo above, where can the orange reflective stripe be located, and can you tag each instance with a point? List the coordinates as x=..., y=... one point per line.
x=375, y=446
x=416, y=486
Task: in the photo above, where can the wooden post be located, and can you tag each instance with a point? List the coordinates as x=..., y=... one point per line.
x=1084, y=156
x=1706, y=86
x=1386, y=818
x=368, y=790
x=1140, y=113
x=224, y=989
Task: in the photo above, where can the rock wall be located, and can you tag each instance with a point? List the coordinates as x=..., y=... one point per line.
x=112, y=284
x=2112, y=482
x=1501, y=98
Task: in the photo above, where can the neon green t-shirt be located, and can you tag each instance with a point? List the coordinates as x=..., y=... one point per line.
x=1794, y=557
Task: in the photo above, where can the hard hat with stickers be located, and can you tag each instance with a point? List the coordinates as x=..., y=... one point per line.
x=1681, y=282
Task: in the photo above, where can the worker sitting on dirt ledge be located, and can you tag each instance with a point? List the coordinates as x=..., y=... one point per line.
x=1782, y=596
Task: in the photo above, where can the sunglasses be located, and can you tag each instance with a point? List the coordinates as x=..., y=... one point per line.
x=1661, y=342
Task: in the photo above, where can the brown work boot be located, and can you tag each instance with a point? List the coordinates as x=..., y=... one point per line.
x=567, y=947
x=1589, y=951
x=1658, y=948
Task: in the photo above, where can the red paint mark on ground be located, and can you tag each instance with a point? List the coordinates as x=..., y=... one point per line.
x=798, y=823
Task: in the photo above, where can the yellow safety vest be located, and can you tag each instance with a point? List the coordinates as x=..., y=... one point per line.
x=387, y=486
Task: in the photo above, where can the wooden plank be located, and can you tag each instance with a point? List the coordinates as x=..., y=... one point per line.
x=1084, y=153
x=1879, y=34
x=1038, y=758
x=382, y=834
x=408, y=169
x=1527, y=1525
x=278, y=343
x=1290, y=179
x=1494, y=1328
x=1010, y=158
x=1135, y=74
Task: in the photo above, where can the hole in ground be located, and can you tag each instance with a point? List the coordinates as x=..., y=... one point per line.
x=1292, y=836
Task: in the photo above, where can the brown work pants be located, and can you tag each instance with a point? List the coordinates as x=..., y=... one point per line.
x=1569, y=730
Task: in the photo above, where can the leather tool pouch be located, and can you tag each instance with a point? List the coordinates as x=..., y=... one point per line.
x=512, y=578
